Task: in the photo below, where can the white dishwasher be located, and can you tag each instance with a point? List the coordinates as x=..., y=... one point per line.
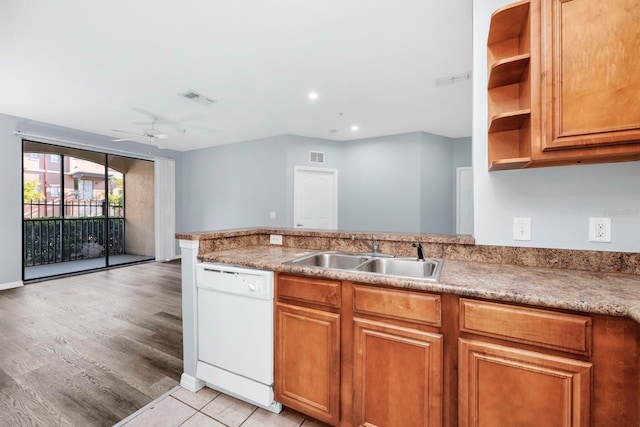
x=235, y=332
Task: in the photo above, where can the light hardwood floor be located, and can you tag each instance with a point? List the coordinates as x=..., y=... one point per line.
x=89, y=350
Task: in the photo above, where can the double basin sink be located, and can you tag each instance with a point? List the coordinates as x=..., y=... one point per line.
x=413, y=268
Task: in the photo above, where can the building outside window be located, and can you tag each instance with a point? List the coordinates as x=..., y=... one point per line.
x=54, y=158
x=34, y=156
x=55, y=191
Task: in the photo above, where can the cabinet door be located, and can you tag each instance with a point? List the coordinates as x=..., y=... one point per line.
x=504, y=386
x=307, y=354
x=397, y=376
x=590, y=74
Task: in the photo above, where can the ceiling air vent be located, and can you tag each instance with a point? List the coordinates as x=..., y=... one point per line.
x=196, y=97
x=316, y=157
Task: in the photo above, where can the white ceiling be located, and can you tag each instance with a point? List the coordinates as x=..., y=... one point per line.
x=93, y=65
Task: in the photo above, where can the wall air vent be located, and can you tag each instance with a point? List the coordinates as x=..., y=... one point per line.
x=316, y=157
x=196, y=97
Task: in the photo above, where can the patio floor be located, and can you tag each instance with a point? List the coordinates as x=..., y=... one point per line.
x=48, y=270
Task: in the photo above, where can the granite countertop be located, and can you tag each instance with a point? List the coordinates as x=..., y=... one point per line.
x=613, y=294
x=460, y=239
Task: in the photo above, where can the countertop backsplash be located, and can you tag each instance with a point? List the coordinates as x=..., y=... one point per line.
x=448, y=247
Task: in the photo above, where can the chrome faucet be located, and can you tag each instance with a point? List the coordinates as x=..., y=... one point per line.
x=374, y=245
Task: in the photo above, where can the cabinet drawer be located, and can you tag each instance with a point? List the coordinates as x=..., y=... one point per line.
x=394, y=304
x=305, y=289
x=561, y=331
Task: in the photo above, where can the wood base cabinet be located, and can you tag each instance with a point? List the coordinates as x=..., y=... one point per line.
x=307, y=346
x=308, y=362
x=397, y=376
x=506, y=386
x=351, y=354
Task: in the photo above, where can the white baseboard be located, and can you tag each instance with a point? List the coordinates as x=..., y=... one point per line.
x=191, y=383
x=11, y=285
x=173, y=258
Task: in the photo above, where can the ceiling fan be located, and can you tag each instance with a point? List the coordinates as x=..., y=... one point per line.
x=180, y=124
x=150, y=135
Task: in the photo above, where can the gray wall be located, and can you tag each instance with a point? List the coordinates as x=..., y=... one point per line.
x=559, y=200
x=380, y=188
x=437, y=185
x=232, y=186
x=11, y=177
x=380, y=183
x=11, y=202
x=461, y=152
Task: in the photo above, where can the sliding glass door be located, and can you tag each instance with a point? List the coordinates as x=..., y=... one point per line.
x=74, y=210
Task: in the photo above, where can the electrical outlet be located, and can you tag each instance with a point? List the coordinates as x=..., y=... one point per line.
x=600, y=230
x=521, y=228
x=275, y=239
x=272, y=215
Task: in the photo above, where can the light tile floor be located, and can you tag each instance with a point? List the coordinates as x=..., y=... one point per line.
x=209, y=408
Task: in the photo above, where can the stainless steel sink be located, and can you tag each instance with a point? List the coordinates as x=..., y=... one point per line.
x=337, y=260
x=400, y=267
x=405, y=267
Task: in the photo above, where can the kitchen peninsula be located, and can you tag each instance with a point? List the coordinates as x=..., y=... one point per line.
x=565, y=323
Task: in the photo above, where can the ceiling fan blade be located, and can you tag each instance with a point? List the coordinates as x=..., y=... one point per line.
x=125, y=131
x=153, y=116
x=128, y=139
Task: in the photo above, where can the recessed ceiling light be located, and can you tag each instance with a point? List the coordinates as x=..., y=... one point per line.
x=313, y=95
x=354, y=128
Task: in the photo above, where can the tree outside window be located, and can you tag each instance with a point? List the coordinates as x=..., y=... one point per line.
x=31, y=191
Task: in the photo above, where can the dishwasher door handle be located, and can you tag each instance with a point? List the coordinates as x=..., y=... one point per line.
x=213, y=270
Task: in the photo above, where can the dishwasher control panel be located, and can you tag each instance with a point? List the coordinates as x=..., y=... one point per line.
x=235, y=280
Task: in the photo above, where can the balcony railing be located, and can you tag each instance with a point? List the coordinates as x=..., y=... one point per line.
x=71, y=209
x=50, y=240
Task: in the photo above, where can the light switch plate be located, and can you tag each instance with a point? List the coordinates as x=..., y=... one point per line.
x=521, y=228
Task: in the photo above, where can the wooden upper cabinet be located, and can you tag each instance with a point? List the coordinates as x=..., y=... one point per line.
x=591, y=73
x=564, y=83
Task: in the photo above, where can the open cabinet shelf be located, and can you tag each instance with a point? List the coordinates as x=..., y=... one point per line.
x=508, y=71
x=507, y=22
x=509, y=86
x=510, y=120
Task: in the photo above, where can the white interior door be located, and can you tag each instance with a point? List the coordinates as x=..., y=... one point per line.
x=315, y=198
x=464, y=200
